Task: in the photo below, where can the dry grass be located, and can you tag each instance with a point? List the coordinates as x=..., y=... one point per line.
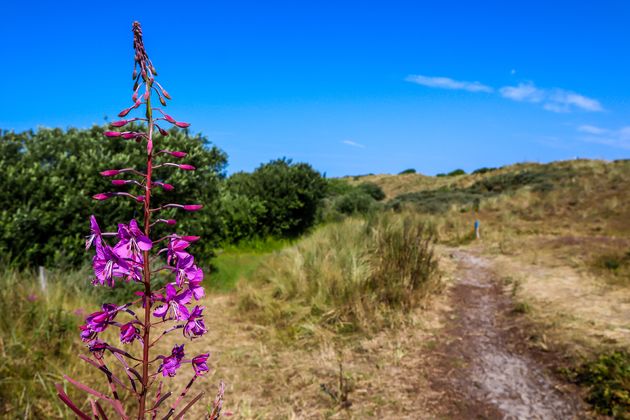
x=385, y=373
x=576, y=307
x=353, y=276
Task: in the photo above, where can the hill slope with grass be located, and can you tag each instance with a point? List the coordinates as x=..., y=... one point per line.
x=558, y=234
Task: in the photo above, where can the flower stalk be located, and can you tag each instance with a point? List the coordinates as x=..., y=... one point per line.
x=136, y=258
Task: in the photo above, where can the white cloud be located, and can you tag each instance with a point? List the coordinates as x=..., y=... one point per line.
x=524, y=92
x=448, y=83
x=353, y=144
x=555, y=100
x=591, y=129
x=615, y=138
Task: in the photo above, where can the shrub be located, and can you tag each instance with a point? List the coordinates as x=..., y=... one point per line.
x=407, y=171
x=456, y=172
x=608, y=382
x=288, y=192
x=48, y=179
x=373, y=190
x=355, y=202
x=483, y=170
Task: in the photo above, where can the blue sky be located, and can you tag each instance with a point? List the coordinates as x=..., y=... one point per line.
x=350, y=87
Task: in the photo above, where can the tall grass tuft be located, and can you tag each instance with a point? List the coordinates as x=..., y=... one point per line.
x=38, y=335
x=357, y=275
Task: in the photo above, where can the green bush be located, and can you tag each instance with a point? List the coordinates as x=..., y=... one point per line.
x=608, y=382
x=456, y=172
x=483, y=170
x=355, y=202
x=49, y=176
x=407, y=171
x=372, y=189
x=284, y=195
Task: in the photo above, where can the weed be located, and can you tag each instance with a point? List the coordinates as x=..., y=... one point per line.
x=608, y=382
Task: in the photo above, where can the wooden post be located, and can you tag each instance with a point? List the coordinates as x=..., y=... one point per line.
x=43, y=283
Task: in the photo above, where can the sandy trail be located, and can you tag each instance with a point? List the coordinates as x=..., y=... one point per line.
x=484, y=375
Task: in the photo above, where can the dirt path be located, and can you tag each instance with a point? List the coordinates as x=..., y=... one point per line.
x=482, y=373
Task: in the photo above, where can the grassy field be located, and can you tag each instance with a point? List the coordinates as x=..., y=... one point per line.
x=338, y=317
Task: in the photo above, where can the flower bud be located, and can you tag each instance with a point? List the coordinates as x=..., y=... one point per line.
x=112, y=134
x=182, y=124
x=165, y=186
x=169, y=119
x=135, y=74
x=130, y=135
x=187, y=167
x=110, y=172
x=124, y=112
x=163, y=131
x=177, y=154
x=102, y=196
x=165, y=93
x=192, y=207
x=140, y=198
x=118, y=182
x=191, y=238
x=170, y=221
x=162, y=101
x=119, y=123
x=134, y=97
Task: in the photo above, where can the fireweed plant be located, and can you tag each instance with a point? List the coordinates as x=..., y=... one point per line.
x=136, y=257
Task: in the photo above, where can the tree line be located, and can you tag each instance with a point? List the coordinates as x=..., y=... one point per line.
x=49, y=176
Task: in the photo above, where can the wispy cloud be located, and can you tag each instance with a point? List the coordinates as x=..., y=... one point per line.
x=554, y=100
x=448, y=83
x=611, y=137
x=353, y=144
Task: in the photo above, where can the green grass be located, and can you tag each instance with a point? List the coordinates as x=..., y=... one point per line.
x=236, y=262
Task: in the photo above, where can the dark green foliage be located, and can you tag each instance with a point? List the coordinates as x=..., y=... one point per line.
x=373, y=190
x=407, y=171
x=608, y=381
x=343, y=199
x=355, y=202
x=50, y=175
x=435, y=201
x=483, y=170
x=280, y=198
x=456, y=172
x=540, y=179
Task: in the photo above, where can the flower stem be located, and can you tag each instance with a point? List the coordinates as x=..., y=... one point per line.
x=147, y=270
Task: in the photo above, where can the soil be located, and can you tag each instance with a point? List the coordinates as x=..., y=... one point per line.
x=484, y=369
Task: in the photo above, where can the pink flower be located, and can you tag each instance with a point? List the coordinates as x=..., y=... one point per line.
x=199, y=364
x=182, y=124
